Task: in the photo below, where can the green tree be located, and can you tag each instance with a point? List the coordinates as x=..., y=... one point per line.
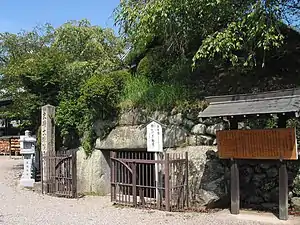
x=28, y=78
x=229, y=31
x=58, y=66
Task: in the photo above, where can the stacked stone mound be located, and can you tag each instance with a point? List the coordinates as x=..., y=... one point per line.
x=259, y=183
x=181, y=129
x=209, y=177
x=294, y=185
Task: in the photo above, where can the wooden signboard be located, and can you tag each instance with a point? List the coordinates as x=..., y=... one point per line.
x=258, y=144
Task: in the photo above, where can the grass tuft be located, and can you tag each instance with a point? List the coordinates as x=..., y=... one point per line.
x=140, y=92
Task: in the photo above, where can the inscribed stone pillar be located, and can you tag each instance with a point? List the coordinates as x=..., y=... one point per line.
x=47, y=140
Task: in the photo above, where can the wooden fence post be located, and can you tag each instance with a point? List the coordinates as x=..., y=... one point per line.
x=235, y=188
x=113, y=176
x=74, y=174
x=134, y=193
x=167, y=182
x=187, y=178
x=283, y=192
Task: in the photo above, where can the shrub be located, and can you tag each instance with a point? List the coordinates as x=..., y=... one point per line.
x=140, y=92
x=103, y=91
x=99, y=97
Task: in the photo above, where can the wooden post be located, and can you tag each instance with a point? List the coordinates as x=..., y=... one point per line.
x=235, y=188
x=234, y=177
x=283, y=192
x=113, y=176
x=134, y=193
x=159, y=180
x=283, y=179
x=187, y=178
x=74, y=174
x=157, y=183
x=167, y=182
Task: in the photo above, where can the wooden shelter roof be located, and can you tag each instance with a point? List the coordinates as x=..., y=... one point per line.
x=283, y=101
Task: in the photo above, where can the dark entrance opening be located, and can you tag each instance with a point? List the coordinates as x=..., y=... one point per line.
x=145, y=173
x=149, y=180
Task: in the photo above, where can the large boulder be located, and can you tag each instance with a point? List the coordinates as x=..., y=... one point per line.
x=192, y=115
x=134, y=137
x=162, y=117
x=176, y=119
x=296, y=185
x=199, y=129
x=132, y=117
x=210, y=121
x=207, y=183
x=101, y=127
x=125, y=137
x=174, y=136
x=212, y=130
x=196, y=140
x=93, y=173
x=272, y=172
x=296, y=203
x=188, y=124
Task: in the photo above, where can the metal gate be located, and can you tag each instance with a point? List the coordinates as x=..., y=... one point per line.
x=150, y=180
x=60, y=176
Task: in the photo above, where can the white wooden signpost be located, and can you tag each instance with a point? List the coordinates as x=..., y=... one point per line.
x=155, y=144
x=154, y=137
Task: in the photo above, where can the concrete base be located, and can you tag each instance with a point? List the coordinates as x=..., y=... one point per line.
x=264, y=218
x=27, y=182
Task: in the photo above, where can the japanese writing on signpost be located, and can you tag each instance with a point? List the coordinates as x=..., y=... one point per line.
x=154, y=137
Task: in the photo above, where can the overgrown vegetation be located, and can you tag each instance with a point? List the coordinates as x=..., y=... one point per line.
x=76, y=67
x=177, y=52
x=141, y=92
x=229, y=43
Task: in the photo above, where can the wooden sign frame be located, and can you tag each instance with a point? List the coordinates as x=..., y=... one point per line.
x=276, y=144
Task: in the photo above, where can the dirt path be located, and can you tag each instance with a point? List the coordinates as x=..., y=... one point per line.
x=26, y=207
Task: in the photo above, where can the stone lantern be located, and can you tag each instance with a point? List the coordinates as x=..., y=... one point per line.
x=27, y=149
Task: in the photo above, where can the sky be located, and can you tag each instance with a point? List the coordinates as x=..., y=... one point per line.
x=16, y=15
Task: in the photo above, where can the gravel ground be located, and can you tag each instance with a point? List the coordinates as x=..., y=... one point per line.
x=25, y=207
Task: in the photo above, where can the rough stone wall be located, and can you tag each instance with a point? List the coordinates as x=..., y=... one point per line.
x=209, y=177
x=181, y=129
x=208, y=184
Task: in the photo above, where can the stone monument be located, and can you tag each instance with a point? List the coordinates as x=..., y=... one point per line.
x=47, y=141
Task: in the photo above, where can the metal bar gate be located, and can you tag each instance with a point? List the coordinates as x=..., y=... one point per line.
x=140, y=180
x=61, y=180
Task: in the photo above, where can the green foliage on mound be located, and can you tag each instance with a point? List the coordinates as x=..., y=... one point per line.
x=140, y=92
x=76, y=67
x=98, y=99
